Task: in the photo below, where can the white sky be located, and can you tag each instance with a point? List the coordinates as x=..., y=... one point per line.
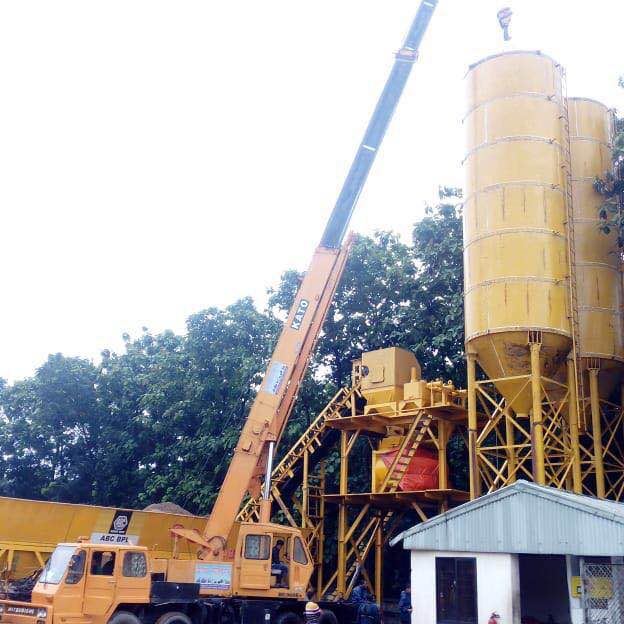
x=160, y=157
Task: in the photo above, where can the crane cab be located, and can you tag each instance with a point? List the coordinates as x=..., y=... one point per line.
x=260, y=560
x=271, y=560
x=267, y=561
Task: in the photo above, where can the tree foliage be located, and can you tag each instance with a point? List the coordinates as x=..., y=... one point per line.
x=611, y=187
x=159, y=421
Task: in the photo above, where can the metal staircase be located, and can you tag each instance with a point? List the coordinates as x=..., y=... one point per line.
x=412, y=440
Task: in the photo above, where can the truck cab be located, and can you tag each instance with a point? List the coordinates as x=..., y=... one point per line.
x=84, y=583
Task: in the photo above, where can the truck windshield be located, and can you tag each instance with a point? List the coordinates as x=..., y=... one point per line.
x=56, y=565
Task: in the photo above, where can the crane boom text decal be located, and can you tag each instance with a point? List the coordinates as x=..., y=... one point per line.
x=302, y=308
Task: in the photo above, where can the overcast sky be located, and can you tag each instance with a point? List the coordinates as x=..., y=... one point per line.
x=157, y=158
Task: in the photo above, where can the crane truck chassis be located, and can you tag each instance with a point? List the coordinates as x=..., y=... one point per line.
x=120, y=584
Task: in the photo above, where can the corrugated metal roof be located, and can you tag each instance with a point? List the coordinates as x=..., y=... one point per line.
x=525, y=518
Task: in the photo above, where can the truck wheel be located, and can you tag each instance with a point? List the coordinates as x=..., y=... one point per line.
x=174, y=617
x=328, y=617
x=124, y=617
x=288, y=617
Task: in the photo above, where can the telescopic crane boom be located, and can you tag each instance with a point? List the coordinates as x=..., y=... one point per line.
x=253, y=456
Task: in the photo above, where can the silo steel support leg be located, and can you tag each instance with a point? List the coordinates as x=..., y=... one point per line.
x=510, y=444
x=537, y=423
x=475, y=482
x=341, y=581
x=379, y=560
x=443, y=437
x=577, y=478
x=594, y=398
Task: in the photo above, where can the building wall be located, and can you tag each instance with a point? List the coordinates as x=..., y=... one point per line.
x=498, y=585
x=576, y=607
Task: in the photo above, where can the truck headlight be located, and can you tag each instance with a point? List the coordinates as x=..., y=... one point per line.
x=42, y=613
x=1, y=609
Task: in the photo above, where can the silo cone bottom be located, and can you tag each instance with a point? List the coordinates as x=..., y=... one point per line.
x=506, y=360
x=611, y=373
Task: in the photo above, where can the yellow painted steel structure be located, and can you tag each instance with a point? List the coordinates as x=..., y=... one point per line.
x=516, y=258
x=30, y=530
x=543, y=289
x=599, y=301
x=422, y=415
x=515, y=213
x=388, y=400
x=598, y=266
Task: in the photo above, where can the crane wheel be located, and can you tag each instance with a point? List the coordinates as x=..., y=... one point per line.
x=174, y=617
x=328, y=617
x=124, y=617
x=288, y=617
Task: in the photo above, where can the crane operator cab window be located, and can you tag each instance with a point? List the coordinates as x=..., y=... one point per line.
x=280, y=560
x=102, y=563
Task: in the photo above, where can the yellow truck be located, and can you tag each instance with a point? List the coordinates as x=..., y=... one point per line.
x=125, y=584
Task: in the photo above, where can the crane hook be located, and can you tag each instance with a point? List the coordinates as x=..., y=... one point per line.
x=504, y=19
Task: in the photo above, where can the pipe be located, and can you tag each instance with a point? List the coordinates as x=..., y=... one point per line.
x=594, y=398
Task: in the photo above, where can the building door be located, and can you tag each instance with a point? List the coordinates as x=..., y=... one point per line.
x=456, y=590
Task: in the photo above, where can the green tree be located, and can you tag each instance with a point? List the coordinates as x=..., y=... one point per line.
x=611, y=187
x=53, y=426
x=160, y=420
x=396, y=294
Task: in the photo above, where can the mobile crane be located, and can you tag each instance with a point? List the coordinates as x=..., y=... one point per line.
x=234, y=577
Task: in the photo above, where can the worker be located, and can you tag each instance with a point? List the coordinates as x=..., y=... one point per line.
x=360, y=593
x=277, y=565
x=312, y=613
x=405, y=605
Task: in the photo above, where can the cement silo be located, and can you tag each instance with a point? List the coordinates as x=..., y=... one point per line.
x=598, y=271
x=516, y=248
x=599, y=291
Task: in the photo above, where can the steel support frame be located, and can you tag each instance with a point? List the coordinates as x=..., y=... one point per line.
x=564, y=442
x=601, y=435
x=365, y=530
x=505, y=446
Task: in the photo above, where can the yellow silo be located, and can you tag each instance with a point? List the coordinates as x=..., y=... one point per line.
x=599, y=296
x=598, y=276
x=516, y=258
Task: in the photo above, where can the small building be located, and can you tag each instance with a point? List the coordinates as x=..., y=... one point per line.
x=520, y=552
